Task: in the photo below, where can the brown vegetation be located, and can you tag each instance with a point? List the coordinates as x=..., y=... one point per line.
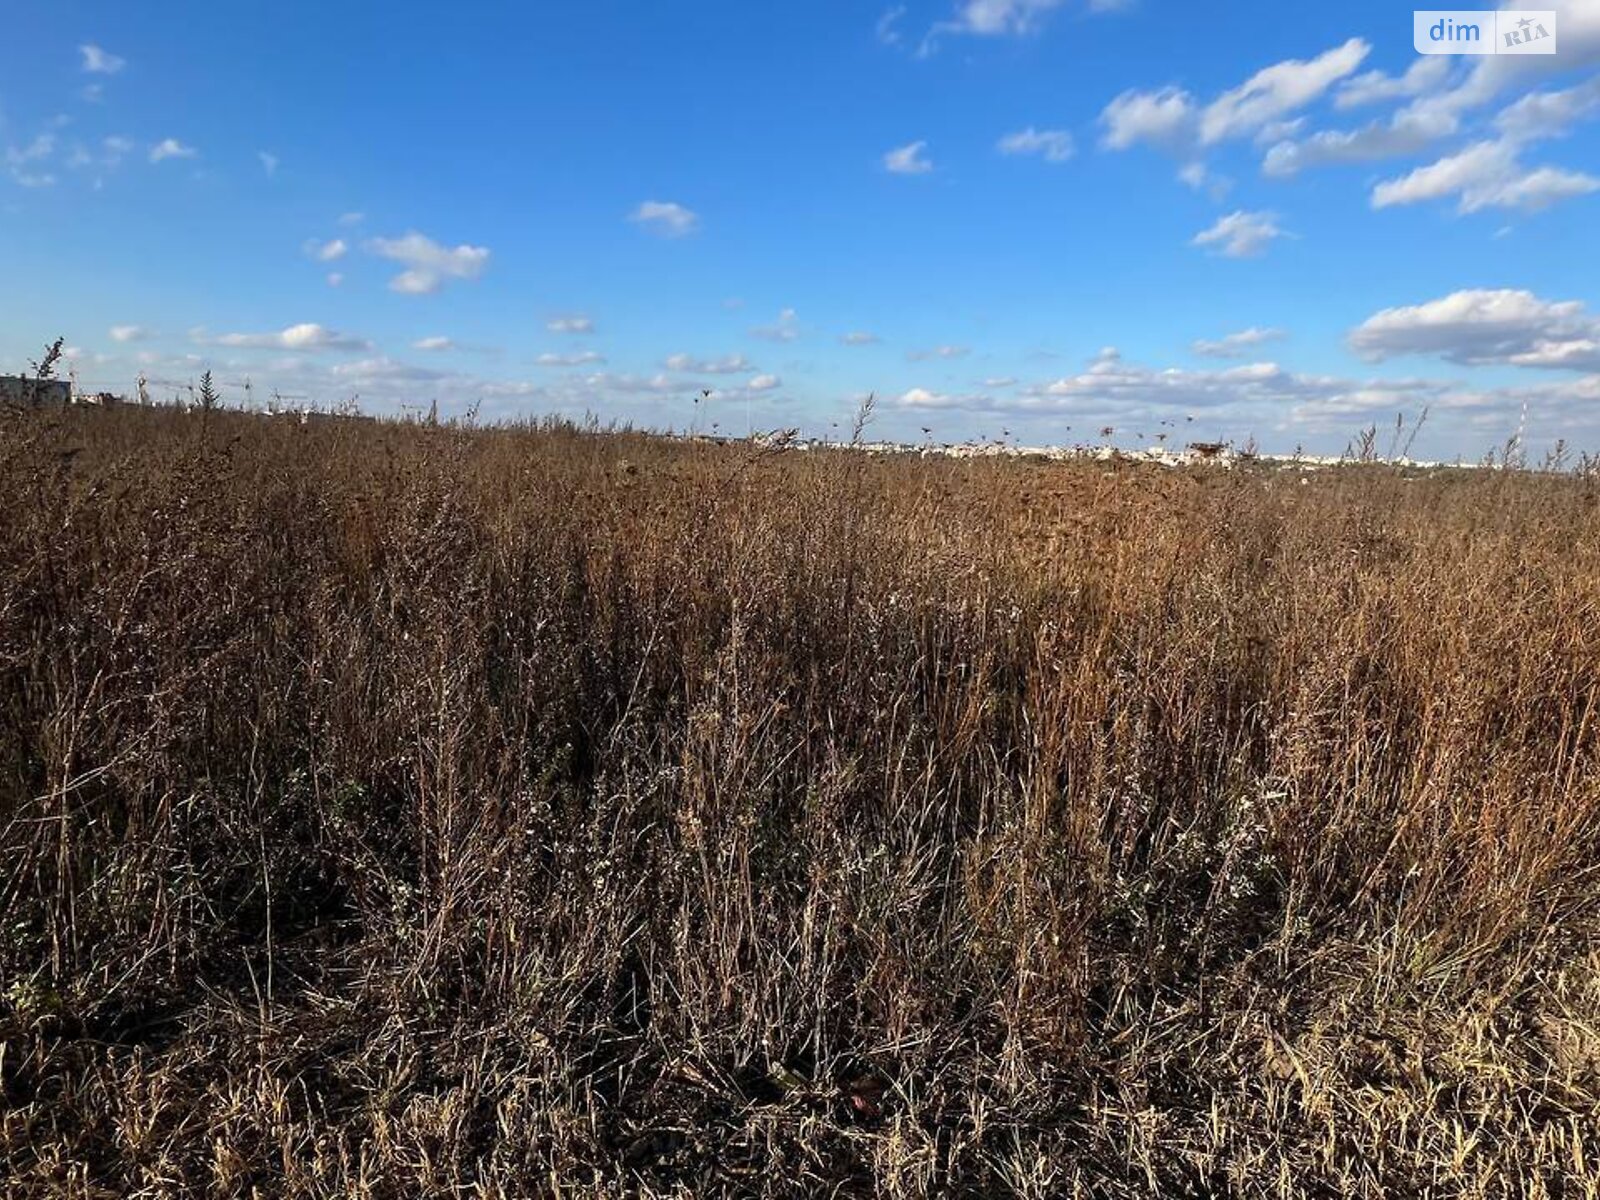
x=389, y=810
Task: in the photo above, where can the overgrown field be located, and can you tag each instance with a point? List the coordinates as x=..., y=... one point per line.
x=391, y=811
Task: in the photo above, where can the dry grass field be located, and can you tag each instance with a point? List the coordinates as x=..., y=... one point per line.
x=394, y=811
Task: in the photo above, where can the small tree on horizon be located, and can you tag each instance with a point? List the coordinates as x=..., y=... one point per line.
x=209, y=396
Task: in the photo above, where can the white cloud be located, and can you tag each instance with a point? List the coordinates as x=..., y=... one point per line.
x=1404, y=133
x=938, y=352
x=1486, y=326
x=99, y=62
x=573, y=323
x=764, y=383
x=785, y=329
x=433, y=343
x=665, y=218
x=921, y=397
x=1485, y=174
x=1053, y=145
x=171, y=148
x=1540, y=115
x=129, y=333
x=993, y=18
x=586, y=358
x=1169, y=118
x=106, y=157
x=305, y=337
x=350, y=219
x=908, y=160
x=40, y=148
x=1374, y=87
x=269, y=162
x=860, y=337
x=335, y=278
x=1578, y=27
x=385, y=370
x=1235, y=345
x=1251, y=395
x=1535, y=116
x=1241, y=234
x=1276, y=90
x=731, y=364
x=1203, y=179
x=428, y=264
x=25, y=163
x=326, y=251
x=887, y=29
x=1164, y=118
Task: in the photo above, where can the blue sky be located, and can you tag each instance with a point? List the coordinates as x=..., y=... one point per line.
x=1035, y=216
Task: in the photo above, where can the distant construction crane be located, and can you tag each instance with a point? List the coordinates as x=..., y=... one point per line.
x=277, y=401
x=249, y=391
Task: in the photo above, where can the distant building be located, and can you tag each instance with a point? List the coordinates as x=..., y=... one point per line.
x=19, y=389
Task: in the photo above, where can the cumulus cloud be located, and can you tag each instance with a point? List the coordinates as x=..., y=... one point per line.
x=1410, y=130
x=305, y=337
x=130, y=333
x=330, y=251
x=1404, y=133
x=763, y=383
x=1053, y=145
x=1486, y=174
x=859, y=337
x=785, y=329
x=1203, y=179
x=1236, y=345
x=1273, y=91
x=1441, y=95
x=1164, y=118
x=26, y=163
x=1110, y=389
x=1539, y=115
x=1171, y=119
x=1578, y=23
x=382, y=369
x=433, y=343
x=583, y=359
x=731, y=364
x=921, y=397
x=41, y=146
x=428, y=264
x=100, y=62
x=171, y=148
x=909, y=159
x=1478, y=326
x=572, y=323
x=991, y=17
x=1000, y=18
x=938, y=352
x=665, y=218
x=1241, y=234
x=887, y=29
x=1375, y=87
